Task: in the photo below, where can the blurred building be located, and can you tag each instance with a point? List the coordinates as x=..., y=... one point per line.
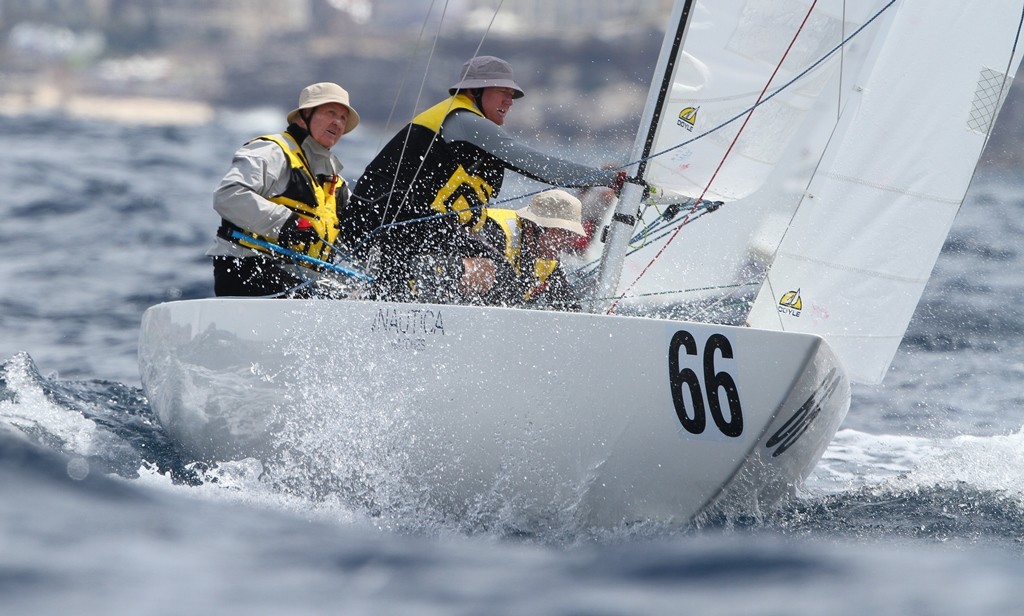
x=565, y=17
x=131, y=25
x=247, y=53
x=242, y=21
x=70, y=13
x=163, y=22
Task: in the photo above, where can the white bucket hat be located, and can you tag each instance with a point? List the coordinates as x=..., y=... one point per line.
x=486, y=72
x=555, y=208
x=320, y=94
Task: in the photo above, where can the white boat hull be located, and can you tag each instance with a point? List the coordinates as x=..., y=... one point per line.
x=472, y=411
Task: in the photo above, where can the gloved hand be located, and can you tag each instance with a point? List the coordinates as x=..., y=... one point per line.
x=297, y=234
x=622, y=178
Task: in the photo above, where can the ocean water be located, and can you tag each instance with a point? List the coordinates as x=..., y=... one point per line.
x=916, y=508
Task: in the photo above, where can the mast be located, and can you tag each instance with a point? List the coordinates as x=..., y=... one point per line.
x=626, y=211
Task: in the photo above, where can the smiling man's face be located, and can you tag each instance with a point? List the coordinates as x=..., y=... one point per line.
x=496, y=103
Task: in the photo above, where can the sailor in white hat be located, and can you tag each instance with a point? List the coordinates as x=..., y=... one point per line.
x=527, y=245
x=334, y=99
x=279, y=201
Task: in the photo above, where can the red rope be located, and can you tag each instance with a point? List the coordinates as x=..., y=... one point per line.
x=721, y=163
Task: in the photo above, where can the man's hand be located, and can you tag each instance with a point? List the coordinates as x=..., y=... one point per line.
x=622, y=178
x=477, y=276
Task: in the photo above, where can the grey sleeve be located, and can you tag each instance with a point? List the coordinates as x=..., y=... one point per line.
x=259, y=170
x=520, y=158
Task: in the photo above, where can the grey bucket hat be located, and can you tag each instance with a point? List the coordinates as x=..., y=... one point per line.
x=555, y=208
x=486, y=72
x=323, y=93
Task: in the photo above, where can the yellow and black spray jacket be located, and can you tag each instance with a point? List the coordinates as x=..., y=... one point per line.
x=466, y=189
x=424, y=187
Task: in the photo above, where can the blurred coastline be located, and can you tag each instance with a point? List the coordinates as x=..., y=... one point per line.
x=586, y=64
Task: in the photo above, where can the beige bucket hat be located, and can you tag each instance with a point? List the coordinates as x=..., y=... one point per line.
x=320, y=94
x=555, y=208
x=486, y=72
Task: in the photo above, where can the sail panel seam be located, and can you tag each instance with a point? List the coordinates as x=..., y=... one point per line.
x=849, y=179
x=847, y=268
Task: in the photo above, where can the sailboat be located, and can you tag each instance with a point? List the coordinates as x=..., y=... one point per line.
x=809, y=158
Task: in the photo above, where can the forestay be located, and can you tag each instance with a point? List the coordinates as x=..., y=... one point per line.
x=841, y=165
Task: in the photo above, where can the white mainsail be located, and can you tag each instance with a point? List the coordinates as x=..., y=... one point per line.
x=866, y=236
x=841, y=184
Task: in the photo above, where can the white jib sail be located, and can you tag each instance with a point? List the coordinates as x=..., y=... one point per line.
x=840, y=189
x=711, y=141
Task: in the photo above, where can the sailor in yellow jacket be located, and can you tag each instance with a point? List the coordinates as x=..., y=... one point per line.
x=531, y=241
x=426, y=192
x=283, y=189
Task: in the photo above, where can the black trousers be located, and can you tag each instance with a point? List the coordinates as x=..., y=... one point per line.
x=254, y=277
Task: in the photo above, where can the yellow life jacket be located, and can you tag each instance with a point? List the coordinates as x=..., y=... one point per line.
x=310, y=197
x=464, y=191
x=508, y=221
x=542, y=269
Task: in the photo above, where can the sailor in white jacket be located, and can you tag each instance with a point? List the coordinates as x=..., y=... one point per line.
x=283, y=189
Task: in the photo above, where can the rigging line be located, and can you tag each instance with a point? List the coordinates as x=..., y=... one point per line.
x=842, y=44
x=667, y=219
x=403, y=223
x=476, y=208
x=576, y=183
x=817, y=165
x=731, y=288
x=433, y=139
x=416, y=104
x=839, y=47
x=792, y=216
x=288, y=292
x=1006, y=76
x=591, y=266
x=728, y=151
x=773, y=295
x=405, y=74
x=842, y=63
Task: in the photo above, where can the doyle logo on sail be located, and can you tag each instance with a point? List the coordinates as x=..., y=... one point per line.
x=791, y=303
x=688, y=117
